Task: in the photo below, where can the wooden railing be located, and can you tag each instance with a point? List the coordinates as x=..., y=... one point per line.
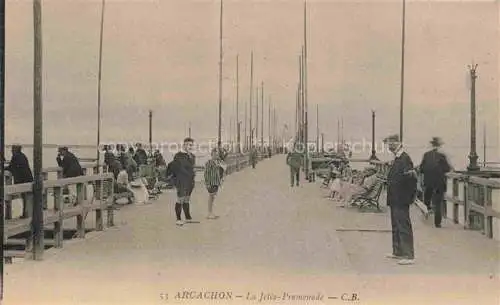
x=471, y=201
x=474, y=202
x=17, y=230
x=52, y=173
x=96, y=200
x=234, y=163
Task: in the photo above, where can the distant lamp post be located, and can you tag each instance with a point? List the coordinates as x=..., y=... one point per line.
x=473, y=166
x=373, y=156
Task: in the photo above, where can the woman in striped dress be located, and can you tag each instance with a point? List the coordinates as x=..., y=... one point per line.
x=213, y=179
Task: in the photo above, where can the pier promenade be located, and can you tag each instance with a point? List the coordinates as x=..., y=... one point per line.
x=272, y=243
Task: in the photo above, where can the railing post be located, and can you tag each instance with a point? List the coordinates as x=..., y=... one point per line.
x=80, y=218
x=98, y=212
x=8, y=199
x=58, y=225
x=29, y=214
x=98, y=184
x=456, y=197
x=45, y=177
x=466, y=205
x=109, y=204
x=487, y=226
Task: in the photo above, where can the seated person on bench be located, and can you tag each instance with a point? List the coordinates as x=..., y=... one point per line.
x=122, y=186
x=338, y=187
x=351, y=191
x=332, y=169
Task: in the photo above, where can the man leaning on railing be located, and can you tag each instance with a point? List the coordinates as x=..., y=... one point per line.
x=20, y=169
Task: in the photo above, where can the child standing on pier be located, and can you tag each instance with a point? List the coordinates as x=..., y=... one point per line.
x=213, y=179
x=182, y=170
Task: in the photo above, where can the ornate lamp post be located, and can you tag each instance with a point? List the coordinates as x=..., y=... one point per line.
x=473, y=166
x=373, y=156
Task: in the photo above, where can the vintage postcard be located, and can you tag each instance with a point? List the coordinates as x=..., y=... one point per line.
x=244, y=152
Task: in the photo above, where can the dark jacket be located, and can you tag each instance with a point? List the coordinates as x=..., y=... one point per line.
x=70, y=165
x=253, y=155
x=20, y=168
x=401, y=186
x=182, y=169
x=115, y=167
x=141, y=157
x=159, y=160
x=434, y=167
x=123, y=158
x=294, y=159
x=108, y=158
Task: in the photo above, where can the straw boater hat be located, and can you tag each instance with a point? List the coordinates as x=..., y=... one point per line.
x=436, y=142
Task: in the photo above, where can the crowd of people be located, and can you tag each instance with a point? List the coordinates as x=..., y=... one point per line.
x=345, y=183
x=125, y=164
x=401, y=184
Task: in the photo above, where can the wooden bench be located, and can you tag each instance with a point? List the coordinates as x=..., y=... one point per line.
x=370, y=199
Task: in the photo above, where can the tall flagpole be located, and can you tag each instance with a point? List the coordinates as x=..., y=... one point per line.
x=403, y=29
x=151, y=132
x=37, y=219
x=338, y=135
x=2, y=137
x=306, y=101
x=246, y=120
x=302, y=100
x=250, y=107
x=274, y=127
x=300, y=114
x=342, y=131
x=238, y=137
x=262, y=116
x=219, y=136
x=317, y=128
x=269, y=122
x=297, y=116
x=257, y=115
x=99, y=77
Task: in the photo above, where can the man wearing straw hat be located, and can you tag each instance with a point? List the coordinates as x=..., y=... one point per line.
x=434, y=167
x=401, y=190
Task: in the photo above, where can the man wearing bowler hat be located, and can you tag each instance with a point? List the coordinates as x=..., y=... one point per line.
x=401, y=190
x=434, y=167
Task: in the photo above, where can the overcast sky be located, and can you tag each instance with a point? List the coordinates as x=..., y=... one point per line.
x=163, y=55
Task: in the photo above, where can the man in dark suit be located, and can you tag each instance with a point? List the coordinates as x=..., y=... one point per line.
x=434, y=167
x=401, y=190
x=140, y=157
x=69, y=162
x=19, y=167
